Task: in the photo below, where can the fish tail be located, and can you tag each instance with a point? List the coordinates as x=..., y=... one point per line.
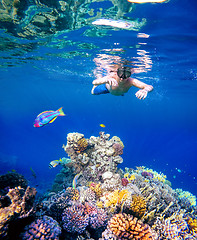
x=61, y=112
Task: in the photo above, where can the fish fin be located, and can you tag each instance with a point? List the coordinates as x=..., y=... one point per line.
x=52, y=120
x=44, y=112
x=61, y=112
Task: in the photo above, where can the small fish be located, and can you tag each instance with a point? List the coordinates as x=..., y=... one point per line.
x=47, y=117
x=102, y=125
x=55, y=163
x=62, y=161
x=113, y=23
x=178, y=170
x=75, y=180
x=33, y=172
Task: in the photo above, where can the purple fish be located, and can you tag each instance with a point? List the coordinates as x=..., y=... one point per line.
x=47, y=117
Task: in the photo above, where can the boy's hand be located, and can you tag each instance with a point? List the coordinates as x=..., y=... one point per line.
x=141, y=94
x=112, y=82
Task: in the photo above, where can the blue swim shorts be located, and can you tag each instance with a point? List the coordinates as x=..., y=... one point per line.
x=100, y=89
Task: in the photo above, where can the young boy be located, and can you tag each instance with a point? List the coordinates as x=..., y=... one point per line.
x=119, y=82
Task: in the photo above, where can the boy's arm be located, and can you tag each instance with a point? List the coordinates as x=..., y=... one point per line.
x=106, y=79
x=145, y=88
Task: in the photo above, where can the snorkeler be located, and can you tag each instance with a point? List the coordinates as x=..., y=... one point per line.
x=118, y=82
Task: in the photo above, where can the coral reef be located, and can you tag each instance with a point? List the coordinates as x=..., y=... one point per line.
x=42, y=228
x=93, y=199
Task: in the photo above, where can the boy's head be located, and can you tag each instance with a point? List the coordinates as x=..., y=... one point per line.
x=124, y=72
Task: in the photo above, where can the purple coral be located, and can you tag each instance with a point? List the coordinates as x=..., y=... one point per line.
x=118, y=149
x=43, y=228
x=75, y=219
x=147, y=174
x=97, y=217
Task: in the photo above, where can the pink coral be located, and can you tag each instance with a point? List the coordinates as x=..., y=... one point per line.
x=125, y=182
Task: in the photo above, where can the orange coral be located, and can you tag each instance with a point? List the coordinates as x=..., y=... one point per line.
x=125, y=226
x=138, y=206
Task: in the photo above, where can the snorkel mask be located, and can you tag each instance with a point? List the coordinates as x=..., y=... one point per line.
x=124, y=72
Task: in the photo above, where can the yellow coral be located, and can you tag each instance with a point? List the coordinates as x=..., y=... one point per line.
x=81, y=145
x=117, y=197
x=96, y=188
x=138, y=206
x=99, y=204
x=192, y=224
x=72, y=193
x=129, y=177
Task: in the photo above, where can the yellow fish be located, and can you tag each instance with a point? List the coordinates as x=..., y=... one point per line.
x=102, y=125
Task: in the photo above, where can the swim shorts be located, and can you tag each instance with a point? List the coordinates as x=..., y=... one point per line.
x=100, y=89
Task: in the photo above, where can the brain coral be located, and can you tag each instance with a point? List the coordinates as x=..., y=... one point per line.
x=125, y=226
x=43, y=228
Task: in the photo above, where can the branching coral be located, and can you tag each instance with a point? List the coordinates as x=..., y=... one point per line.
x=75, y=219
x=125, y=226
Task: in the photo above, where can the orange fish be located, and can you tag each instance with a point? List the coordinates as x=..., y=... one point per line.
x=47, y=117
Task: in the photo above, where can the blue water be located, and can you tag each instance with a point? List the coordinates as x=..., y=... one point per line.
x=159, y=132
